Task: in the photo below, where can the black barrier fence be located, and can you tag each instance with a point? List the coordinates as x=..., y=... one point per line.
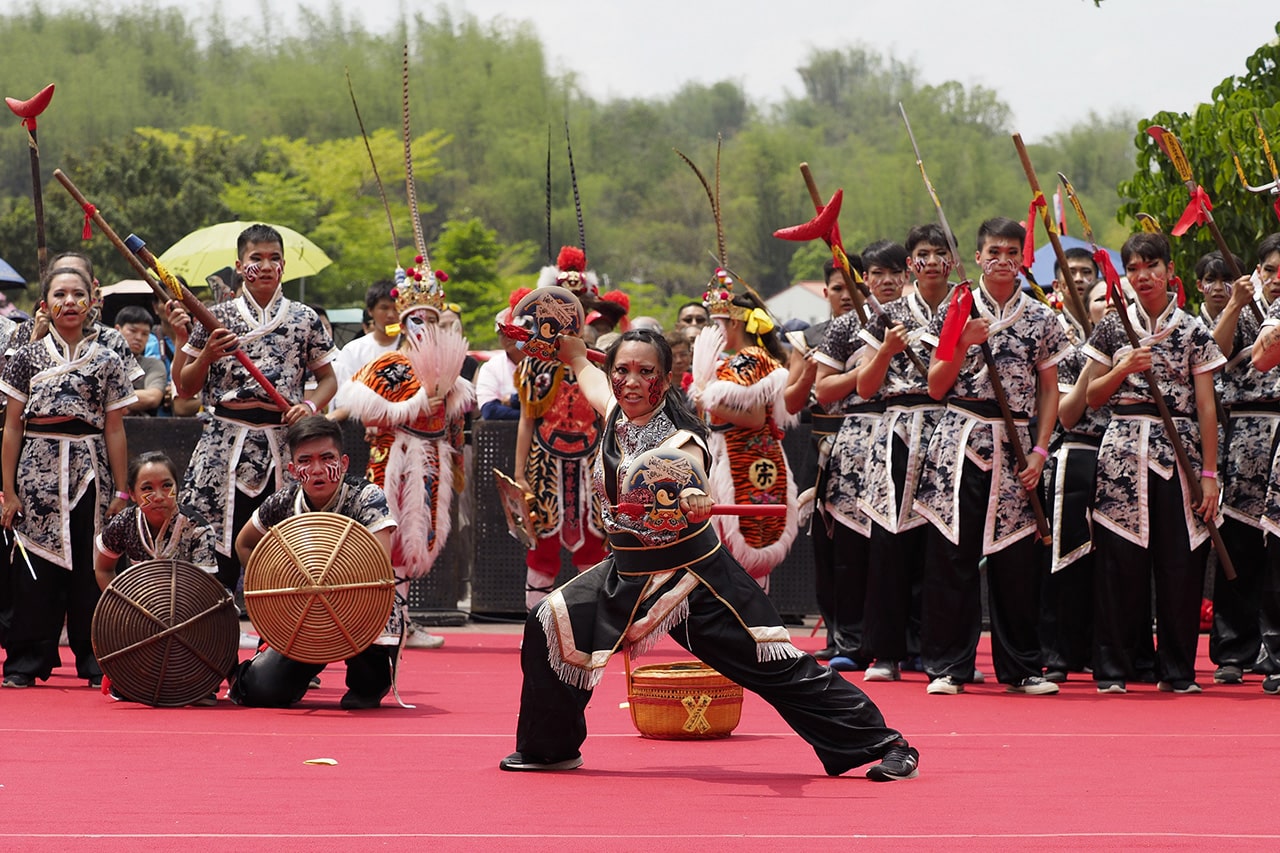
x=481, y=571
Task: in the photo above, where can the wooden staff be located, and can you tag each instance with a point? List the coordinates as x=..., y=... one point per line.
x=860, y=302
x=747, y=510
x=997, y=387
x=1162, y=407
x=28, y=111
x=1172, y=148
x=136, y=253
x=1073, y=295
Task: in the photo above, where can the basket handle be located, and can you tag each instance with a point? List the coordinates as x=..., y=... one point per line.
x=626, y=662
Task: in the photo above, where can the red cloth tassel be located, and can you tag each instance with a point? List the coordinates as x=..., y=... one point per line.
x=89, y=211
x=1277, y=208
x=1029, y=245
x=957, y=315
x=1176, y=281
x=1197, y=212
x=1102, y=258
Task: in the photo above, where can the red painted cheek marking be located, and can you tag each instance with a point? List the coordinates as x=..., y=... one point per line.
x=618, y=384
x=655, y=391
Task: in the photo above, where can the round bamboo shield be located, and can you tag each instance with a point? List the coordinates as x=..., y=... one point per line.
x=166, y=633
x=319, y=587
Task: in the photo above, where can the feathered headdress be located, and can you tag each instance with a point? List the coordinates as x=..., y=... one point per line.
x=718, y=297
x=419, y=286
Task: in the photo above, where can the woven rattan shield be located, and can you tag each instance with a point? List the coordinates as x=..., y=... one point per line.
x=319, y=587
x=165, y=633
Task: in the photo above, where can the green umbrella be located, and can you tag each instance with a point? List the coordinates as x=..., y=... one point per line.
x=203, y=252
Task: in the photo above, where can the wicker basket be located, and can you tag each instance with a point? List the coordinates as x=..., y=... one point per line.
x=319, y=587
x=165, y=633
x=687, y=700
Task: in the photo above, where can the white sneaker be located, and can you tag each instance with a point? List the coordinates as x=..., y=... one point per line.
x=883, y=671
x=420, y=639
x=945, y=684
x=979, y=676
x=248, y=641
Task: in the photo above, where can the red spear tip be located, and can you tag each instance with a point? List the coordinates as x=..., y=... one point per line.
x=33, y=106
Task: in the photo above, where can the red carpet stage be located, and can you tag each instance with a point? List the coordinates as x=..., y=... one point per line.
x=1145, y=770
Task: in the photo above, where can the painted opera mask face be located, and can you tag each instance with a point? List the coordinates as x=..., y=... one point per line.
x=413, y=325
x=638, y=379
x=155, y=491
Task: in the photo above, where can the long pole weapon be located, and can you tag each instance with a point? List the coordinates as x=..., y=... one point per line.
x=997, y=387
x=1116, y=294
x=1272, y=188
x=855, y=281
x=382, y=193
x=28, y=111
x=135, y=252
x=1200, y=209
x=1073, y=295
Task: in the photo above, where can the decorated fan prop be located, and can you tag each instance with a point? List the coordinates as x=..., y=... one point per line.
x=319, y=587
x=517, y=505
x=166, y=633
x=555, y=311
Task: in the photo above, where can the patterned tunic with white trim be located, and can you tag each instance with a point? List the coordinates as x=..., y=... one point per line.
x=285, y=340
x=1270, y=521
x=57, y=467
x=1135, y=441
x=910, y=418
x=848, y=462
x=1025, y=337
x=1252, y=403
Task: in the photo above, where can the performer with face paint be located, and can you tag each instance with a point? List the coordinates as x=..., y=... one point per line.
x=970, y=489
x=154, y=526
x=668, y=574
x=322, y=484
x=240, y=456
x=745, y=402
x=557, y=436
x=65, y=465
x=414, y=401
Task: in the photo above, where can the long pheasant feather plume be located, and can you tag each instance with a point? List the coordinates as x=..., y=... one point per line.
x=419, y=242
x=382, y=193
x=551, y=257
x=577, y=201
x=720, y=243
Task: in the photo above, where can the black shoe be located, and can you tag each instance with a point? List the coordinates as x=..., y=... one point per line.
x=900, y=762
x=1228, y=674
x=314, y=683
x=1270, y=684
x=825, y=654
x=1055, y=676
x=516, y=761
x=95, y=681
x=1178, y=687
x=18, y=680
x=352, y=701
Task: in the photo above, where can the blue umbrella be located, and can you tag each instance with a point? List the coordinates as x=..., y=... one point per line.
x=1042, y=269
x=8, y=275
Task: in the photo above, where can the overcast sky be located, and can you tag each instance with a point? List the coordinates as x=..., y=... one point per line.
x=1051, y=61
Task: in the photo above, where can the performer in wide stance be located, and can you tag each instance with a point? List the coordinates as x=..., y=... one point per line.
x=677, y=575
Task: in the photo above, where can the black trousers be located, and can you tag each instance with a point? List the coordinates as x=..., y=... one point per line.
x=841, y=586
x=1237, y=632
x=1122, y=590
x=1269, y=609
x=895, y=573
x=838, y=720
x=271, y=680
x=229, y=568
x=40, y=604
x=1066, y=596
x=952, y=602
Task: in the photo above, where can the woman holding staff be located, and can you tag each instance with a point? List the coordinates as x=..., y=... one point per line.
x=64, y=463
x=672, y=573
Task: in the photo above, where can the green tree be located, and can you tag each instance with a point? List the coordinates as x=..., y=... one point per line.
x=1208, y=136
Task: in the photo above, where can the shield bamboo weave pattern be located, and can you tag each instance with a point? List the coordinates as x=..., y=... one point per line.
x=165, y=633
x=319, y=587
